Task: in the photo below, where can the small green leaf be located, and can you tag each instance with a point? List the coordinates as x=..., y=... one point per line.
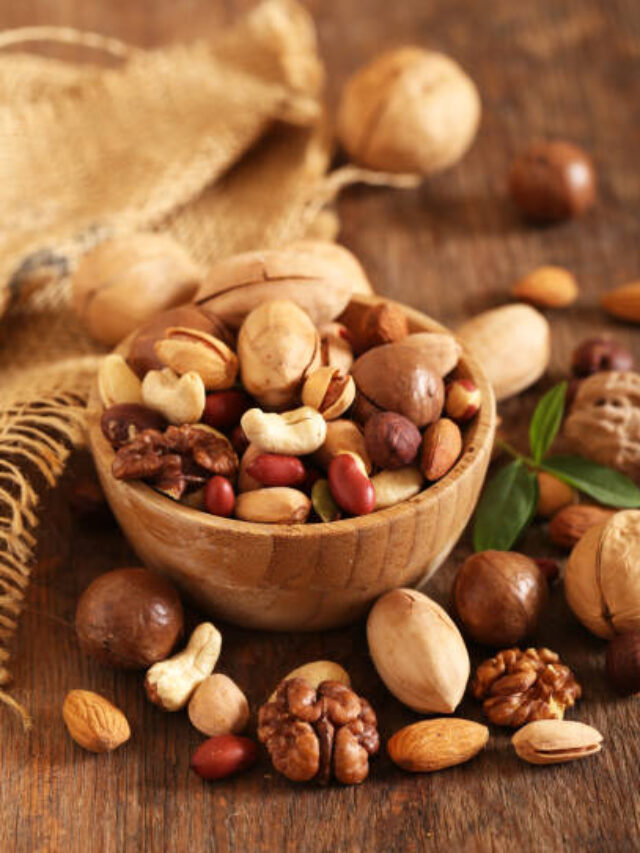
x=546, y=420
x=603, y=484
x=506, y=508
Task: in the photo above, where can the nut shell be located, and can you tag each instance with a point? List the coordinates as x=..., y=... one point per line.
x=623, y=663
x=556, y=741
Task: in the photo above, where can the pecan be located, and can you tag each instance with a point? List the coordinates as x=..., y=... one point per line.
x=319, y=733
x=519, y=687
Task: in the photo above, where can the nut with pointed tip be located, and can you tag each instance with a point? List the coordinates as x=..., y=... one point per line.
x=329, y=392
x=431, y=745
x=93, y=722
x=623, y=302
x=170, y=683
x=553, y=495
x=117, y=383
x=180, y=399
x=441, y=448
x=463, y=399
x=547, y=287
x=570, y=524
x=187, y=350
x=556, y=741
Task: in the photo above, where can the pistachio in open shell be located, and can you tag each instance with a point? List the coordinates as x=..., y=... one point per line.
x=418, y=651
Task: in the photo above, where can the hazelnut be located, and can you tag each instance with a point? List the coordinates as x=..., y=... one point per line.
x=383, y=323
x=392, y=440
x=499, y=596
x=623, y=663
x=219, y=707
x=463, y=399
x=597, y=354
x=410, y=110
x=553, y=495
x=129, y=618
x=551, y=181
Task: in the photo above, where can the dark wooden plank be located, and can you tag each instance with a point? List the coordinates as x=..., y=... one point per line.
x=550, y=67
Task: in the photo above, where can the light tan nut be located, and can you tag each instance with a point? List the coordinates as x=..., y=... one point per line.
x=170, y=683
x=278, y=505
x=432, y=745
x=335, y=346
x=181, y=399
x=329, y=391
x=93, y=722
x=117, y=383
x=247, y=483
x=295, y=433
x=185, y=350
x=441, y=448
x=342, y=259
x=556, y=741
x=623, y=302
x=315, y=672
x=463, y=400
x=342, y=436
x=553, y=495
x=547, y=287
x=569, y=524
x=219, y=707
x=440, y=351
x=392, y=487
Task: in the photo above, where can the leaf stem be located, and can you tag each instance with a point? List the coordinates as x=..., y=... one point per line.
x=510, y=449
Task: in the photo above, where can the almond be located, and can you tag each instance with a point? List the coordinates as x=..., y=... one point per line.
x=556, y=741
x=441, y=447
x=435, y=744
x=553, y=495
x=93, y=722
x=570, y=524
x=547, y=287
x=623, y=302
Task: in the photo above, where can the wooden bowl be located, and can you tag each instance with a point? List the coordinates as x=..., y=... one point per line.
x=302, y=577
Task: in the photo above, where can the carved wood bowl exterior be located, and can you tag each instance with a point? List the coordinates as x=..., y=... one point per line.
x=308, y=576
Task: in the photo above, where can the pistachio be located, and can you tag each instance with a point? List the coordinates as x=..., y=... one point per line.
x=329, y=391
x=294, y=433
x=117, y=383
x=335, y=345
x=278, y=346
x=278, y=505
x=323, y=503
x=392, y=487
x=556, y=741
x=180, y=399
x=185, y=350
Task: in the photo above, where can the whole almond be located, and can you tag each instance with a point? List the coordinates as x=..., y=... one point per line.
x=435, y=744
x=556, y=741
x=441, y=448
x=623, y=302
x=570, y=524
x=93, y=722
x=547, y=287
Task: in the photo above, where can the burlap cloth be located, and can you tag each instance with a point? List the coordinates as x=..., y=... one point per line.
x=222, y=143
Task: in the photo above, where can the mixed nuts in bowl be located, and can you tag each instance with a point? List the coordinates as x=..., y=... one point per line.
x=386, y=462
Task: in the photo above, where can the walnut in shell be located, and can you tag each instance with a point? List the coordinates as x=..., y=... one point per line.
x=604, y=422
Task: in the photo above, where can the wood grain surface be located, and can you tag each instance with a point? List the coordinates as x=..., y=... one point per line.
x=546, y=68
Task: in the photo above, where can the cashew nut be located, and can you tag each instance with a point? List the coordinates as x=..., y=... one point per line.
x=170, y=683
x=294, y=433
x=392, y=487
x=180, y=399
x=117, y=383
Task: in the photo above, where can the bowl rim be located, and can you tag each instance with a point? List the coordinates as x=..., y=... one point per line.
x=479, y=435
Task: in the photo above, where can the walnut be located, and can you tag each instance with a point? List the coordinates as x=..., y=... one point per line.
x=316, y=733
x=519, y=687
x=604, y=422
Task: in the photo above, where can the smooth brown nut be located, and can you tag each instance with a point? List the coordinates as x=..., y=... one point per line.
x=553, y=494
x=129, y=618
x=335, y=346
x=329, y=391
x=431, y=745
x=123, y=422
x=570, y=524
x=441, y=449
x=394, y=487
x=382, y=323
x=547, y=287
x=623, y=302
x=117, y=383
x=597, y=354
x=439, y=350
x=409, y=110
x=180, y=399
x=219, y=707
x=187, y=350
x=392, y=440
x=463, y=399
x=397, y=378
x=623, y=663
x=499, y=596
x=123, y=282
x=556, y=741
x=551, y=181
x=93, y=722
x=342, y=436
x=278, y=505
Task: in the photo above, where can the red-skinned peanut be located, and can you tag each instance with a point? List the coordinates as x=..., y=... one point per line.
x=224, y=755
x=219, y=497
x=223, y=409
x=239, y=440
x=274, y=469
x=352, y=490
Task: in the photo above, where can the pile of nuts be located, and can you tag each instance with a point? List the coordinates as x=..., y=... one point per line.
x=258, y=403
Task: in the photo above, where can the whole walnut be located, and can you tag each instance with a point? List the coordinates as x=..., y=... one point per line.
x=409, y=110
x=604, y=421
x=319, y=733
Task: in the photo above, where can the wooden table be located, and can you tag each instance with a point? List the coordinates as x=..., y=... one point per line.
x=563, y=68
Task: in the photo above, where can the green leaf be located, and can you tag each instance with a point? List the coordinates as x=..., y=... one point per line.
x=546, y=420
x=506, y=508
x=603, y=484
